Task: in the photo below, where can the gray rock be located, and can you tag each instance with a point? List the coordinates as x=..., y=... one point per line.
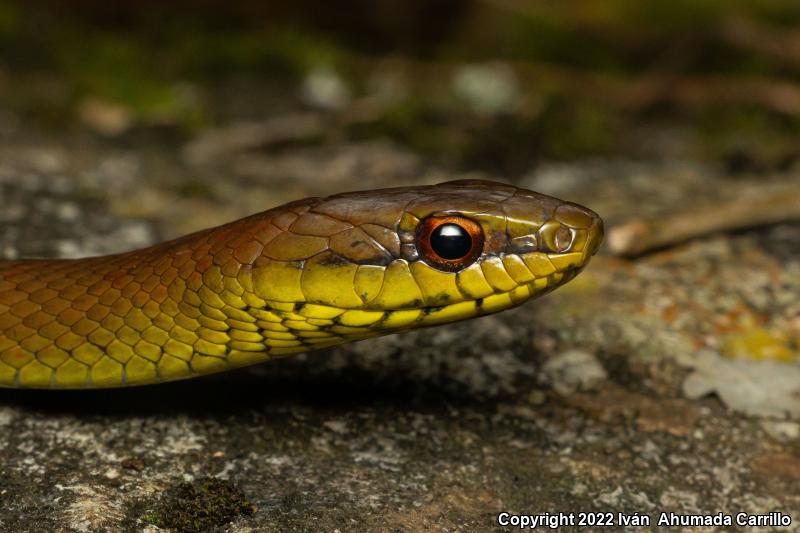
x=572, y=371
x=757, y=388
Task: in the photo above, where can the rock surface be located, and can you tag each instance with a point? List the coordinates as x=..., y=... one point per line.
x=668, y=405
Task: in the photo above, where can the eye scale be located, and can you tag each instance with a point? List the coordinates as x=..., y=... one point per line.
x=451, y=241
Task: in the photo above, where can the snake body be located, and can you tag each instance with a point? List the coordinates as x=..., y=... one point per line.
x=306, y=275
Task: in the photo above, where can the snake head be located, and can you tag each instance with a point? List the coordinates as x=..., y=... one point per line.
x=366, y=263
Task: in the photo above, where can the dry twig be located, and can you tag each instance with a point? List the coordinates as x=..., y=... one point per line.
x=752, y=208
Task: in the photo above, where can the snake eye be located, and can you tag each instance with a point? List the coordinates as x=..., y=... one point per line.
x=449, y=243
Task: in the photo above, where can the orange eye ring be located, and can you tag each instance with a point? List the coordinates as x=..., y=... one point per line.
x=449, y=243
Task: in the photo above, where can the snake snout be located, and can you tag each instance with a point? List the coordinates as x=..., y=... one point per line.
x=585, y=225
x=595, y=238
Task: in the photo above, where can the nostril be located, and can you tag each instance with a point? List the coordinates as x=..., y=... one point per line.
x=554, y=236
x=563, y=239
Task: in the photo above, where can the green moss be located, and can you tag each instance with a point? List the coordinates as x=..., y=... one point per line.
x=149, y=518
x=200, y=57
x=151, y=69
x=199, y=506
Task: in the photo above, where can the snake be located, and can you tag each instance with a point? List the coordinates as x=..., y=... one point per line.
x=307, y=275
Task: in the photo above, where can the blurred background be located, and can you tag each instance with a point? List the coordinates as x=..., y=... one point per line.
x=494, y=85
x=664, y=378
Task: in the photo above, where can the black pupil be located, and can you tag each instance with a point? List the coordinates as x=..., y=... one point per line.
x=451, y=241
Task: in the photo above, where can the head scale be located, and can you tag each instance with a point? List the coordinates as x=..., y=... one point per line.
x=367, y=263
